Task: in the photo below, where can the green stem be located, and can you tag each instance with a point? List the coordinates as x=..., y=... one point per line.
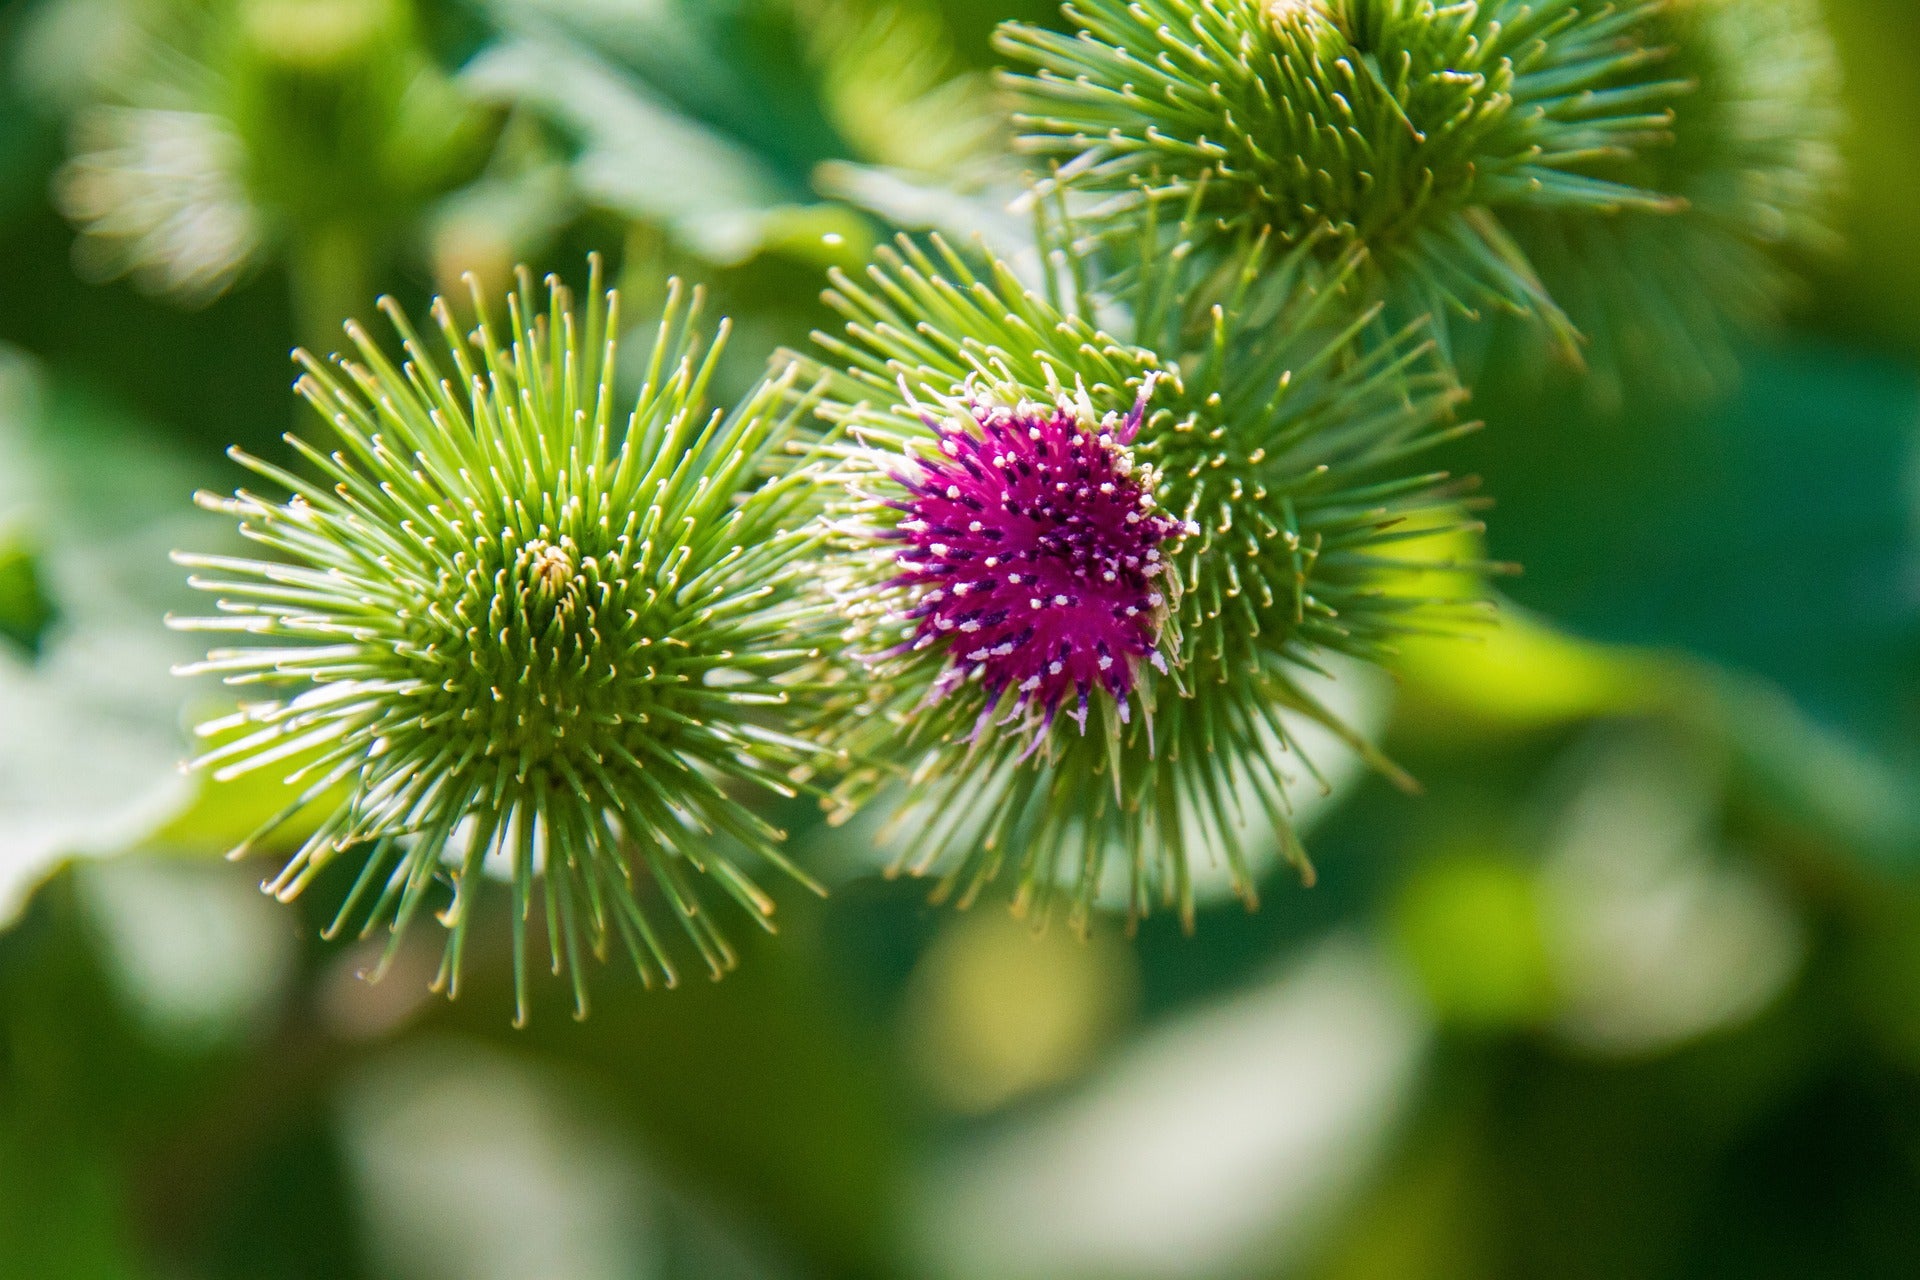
x=332, y=275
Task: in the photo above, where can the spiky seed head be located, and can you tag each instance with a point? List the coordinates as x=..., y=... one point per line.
x=1272, y=439
x=1032, y=555
x=506, y=629
x=1405, y=126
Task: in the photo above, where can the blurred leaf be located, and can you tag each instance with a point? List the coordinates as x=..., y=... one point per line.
x=916, y=203
x=61, y=1215
x=640, y=157
x=996, y=1010
x=1222, y=1138
x=736, y=67
x=75, y=1087
x=25, y=611
x=1875, y=290
x=1423, y=1221
x=28, y=138
x=1471, y=924
x=89, y=732
x=1819, y=780
x=1518, y=674
x=89, y=753
x=713, y=118
x=761, y=1091
x=1773, y=533
x=285, y=1212
x=1659, y=931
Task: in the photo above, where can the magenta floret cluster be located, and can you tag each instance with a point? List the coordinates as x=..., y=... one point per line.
x=1032, y=553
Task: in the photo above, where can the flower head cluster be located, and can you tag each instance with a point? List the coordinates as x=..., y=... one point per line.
x=1406, y=126
x=1032, y=550
x=501, y=630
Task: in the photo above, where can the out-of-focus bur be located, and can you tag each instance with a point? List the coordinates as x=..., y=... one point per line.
x=158, y=195
x=1757, y=158
x=209, y=138
x=1153, y=528
x=1407, y=127
x=498, y=630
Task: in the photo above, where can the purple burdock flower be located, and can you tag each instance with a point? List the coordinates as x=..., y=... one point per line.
x=1033, y=550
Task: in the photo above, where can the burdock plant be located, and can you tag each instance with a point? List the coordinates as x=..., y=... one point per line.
x=1056, y=575
x=1409, y=127
x=500, y=629
x=1093, y=534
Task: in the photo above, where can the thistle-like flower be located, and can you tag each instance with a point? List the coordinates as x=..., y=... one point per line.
x=1256, y=457
x=1757, y=158
x=1406, y=126
x=500, y=632
x=1032, y=552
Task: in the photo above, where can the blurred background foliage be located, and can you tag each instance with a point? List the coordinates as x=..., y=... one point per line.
x=1633, y=989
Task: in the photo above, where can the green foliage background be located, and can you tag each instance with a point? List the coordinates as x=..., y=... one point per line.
x=1633, y=989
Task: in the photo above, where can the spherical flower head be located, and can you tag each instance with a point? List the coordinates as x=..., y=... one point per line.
x=1405, y=126
x=1035, y=555
x=502, y=630
x=1274, y=451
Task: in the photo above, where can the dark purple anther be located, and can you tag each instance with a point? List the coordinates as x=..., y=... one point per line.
x=1032, y=549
